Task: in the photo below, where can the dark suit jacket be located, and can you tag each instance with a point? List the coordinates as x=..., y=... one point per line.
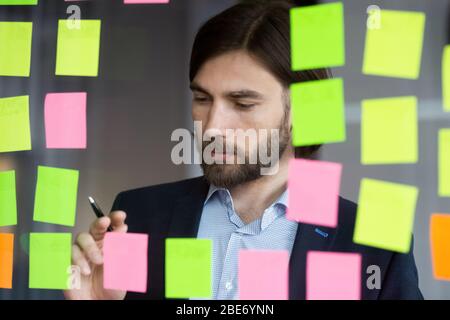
x=174, y=210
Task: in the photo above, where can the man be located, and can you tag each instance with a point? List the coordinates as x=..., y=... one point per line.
x=240, y=74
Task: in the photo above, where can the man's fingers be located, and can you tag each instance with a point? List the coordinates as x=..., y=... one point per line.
x=117, y=218
x=123, y=228
x=78, y=259
x=89, y=247
x=99, y=227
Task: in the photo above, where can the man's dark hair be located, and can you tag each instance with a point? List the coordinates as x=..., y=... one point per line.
x=263, y=30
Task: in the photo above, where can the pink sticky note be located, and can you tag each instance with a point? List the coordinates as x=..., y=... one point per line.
x=65, y=120
x=125, y=261
x=144, y=1
x=333, y=276
x=263, y=275
x=313, y=192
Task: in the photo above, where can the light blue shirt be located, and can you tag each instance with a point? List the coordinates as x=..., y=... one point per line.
x=220, y=223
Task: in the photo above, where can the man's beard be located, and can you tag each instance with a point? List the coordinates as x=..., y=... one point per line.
x=230, y=175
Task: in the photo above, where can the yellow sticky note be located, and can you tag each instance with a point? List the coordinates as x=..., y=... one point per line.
x=78, y=48
x=318, y=112
x=15, y=48
x=446, y=78
x=444, y=163
x=317, y=36
x=394, y=45
x=385, y=215
x=15, y=124
x=389, y=131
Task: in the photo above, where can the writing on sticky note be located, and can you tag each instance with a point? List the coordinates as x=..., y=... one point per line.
x=385, y=215
x=125, y=261
x=446, y=78
x=65, y=120
x=440, y=245
x=317, y=109
x=50, y=260
x=15, y=51
x=317, y=36
x=398, y=140
x=56, y=196
x=188, y=268
x=78, y=48
x=18, y=2
x=333, y=276
x=313, y=192
x=263, y=274
x=444, y=163
x=6, y=260
x=394, y=48
x=15, y=124
x=8, y=202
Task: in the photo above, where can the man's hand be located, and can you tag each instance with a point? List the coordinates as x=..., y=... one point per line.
x=88, y=256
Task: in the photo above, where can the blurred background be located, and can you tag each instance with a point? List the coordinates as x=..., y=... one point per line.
x=141, y=95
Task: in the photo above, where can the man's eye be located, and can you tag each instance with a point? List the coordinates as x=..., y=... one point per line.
x=200, y=99
x=245, y=105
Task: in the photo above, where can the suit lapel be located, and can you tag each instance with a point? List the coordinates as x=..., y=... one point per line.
x=187, y=211
x=308, y=237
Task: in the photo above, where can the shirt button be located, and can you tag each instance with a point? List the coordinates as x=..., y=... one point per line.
x=229, y=285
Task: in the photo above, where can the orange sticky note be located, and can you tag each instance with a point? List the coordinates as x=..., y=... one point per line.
x=440, y=245
x=6, y=260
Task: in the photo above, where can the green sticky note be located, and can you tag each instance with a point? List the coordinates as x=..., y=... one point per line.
x=78, y=48
x=18, y=2
x=15, y=48
x=15, y=124
x=50, y=260
x=444, y=163
x=188, y=268
x=317, y=110
x=389, y=131
x=8, y=202
x=446, y=78
x=385, y=215
x=394, y=46
x=317, y=36
x=56, y=196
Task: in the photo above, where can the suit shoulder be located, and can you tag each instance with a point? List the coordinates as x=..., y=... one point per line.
x=165, y=189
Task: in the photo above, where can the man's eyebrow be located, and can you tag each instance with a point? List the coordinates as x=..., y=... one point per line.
x=195, y=87
x=242, y=94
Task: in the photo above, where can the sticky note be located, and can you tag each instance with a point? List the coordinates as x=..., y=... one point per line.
x=50, y=260
x=446, y=78
x=313, y=192
x=333, y=276
x=6, y=260
x=385, y=215
x=65, y=120
x=8, y=201
x=263, y=275
x=56, y=196
x=15, y=49
x=78, y=48
x=317, y=109
x=444, y=163
x=188, y=268
x=15, y=124
x=145, y=1
x=18, y=2
x=317, y=36
x=125, y=261
x=389, y=131
x=440, y=245
x=394, y=47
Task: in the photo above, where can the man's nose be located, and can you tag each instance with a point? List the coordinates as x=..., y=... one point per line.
x=218, y=120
